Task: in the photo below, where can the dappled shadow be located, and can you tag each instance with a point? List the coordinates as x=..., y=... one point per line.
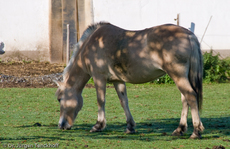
x=120, y=55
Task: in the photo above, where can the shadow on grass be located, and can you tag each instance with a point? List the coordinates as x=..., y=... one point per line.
x=37, y=138
x=149, y=130
x=156, y=129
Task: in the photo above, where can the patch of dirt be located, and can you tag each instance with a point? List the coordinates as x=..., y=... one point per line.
x=20, y=69
x=30, y=74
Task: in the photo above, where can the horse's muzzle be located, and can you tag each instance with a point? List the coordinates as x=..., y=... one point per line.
x=64, y=125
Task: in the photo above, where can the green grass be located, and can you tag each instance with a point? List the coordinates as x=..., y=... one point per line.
x=155, y=108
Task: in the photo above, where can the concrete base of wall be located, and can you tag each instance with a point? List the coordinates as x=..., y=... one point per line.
x=25, y=55
x=223, y=53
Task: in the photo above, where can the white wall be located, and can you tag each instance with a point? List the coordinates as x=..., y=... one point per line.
x=24, y=24
x=140, y=14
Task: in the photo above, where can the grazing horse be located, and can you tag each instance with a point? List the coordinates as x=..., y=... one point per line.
x=108, y=53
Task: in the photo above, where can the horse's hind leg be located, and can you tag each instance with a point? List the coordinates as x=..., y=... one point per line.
x=122, y=94
x=191, y=97
x=100, y=85
x=183, y=121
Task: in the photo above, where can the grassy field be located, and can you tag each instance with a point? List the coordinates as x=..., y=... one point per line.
x=29, y=118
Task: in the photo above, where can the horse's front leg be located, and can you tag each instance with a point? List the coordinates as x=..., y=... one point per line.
x=100, y=85
x=122, y=94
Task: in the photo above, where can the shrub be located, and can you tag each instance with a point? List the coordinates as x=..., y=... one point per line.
x=163, y=80
x=215, y=69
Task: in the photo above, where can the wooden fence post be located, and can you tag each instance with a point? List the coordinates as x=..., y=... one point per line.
x=67, y=44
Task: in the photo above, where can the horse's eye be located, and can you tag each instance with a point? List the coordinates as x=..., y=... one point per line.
x=59, y=99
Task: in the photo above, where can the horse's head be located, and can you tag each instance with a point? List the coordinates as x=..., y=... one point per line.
x=70, y=104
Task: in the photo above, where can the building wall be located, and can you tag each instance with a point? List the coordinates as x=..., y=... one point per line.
x=24, y=28
x=56, y=35
x=69, y=16
x=140, y=14
x=36, y=29
x=85, y=15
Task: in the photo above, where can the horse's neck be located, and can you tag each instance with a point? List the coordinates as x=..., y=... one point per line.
x=76, y=77
x=70, y=77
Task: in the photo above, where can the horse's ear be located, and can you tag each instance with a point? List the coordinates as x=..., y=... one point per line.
x=58, y=83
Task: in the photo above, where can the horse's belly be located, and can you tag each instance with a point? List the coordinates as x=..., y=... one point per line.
x=144, y=76
x=135, y=75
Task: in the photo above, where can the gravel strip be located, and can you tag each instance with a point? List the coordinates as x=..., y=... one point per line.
x=28, y=81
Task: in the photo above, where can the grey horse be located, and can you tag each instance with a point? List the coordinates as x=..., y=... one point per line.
x=108, y=53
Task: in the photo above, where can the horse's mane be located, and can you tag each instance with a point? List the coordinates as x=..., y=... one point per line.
x=84, y=36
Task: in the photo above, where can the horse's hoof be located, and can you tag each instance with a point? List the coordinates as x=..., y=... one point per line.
x=195, y=136
x=130, y=131
x=98, y=127
x=177, y=133
x=95, y=130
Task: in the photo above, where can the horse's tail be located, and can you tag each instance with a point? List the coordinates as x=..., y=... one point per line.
x=196, y=69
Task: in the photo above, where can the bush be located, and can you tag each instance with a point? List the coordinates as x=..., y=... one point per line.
x=163, y=80
x=215, y=69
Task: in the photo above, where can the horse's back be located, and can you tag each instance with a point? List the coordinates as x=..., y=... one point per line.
x=137, y=56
